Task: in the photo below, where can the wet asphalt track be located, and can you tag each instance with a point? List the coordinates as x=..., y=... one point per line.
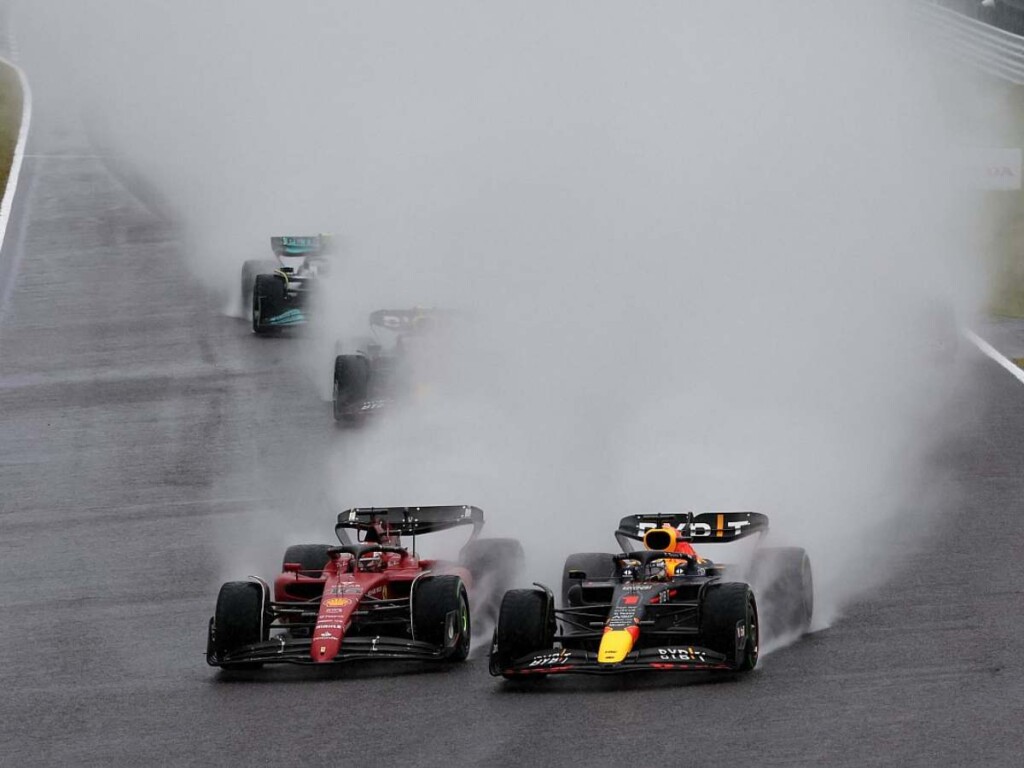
x=134, y=424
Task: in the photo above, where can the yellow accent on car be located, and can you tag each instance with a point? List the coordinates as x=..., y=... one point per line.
x=661, y=539
x=615, y=645
x=672, y=564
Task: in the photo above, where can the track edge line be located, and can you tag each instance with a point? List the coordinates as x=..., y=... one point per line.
x=989, y=351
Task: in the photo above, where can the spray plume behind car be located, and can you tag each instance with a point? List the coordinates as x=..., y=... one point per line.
x=689, y=231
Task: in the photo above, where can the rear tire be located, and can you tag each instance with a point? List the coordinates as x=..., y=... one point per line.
x=782, y=579
x=268, y=295
x=250, y=270
x=526, y=624
x=724, y=607
x=433, y=598
x=596, y=565
x=495, y=565
x=351, y=384
x=239, y=620
x=313, y=557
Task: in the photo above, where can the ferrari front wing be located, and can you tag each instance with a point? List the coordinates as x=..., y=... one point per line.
x=288, y=650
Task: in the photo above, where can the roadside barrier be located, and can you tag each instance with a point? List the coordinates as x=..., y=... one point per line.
x=993, y=50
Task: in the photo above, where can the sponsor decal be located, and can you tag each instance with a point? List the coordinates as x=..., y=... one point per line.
x=699, y=530
x=631, y=600
x=622, y=616
x=326, y=636
x=681, y=654
x=337, y=627
x=346, y=589
x=996, y=168
x=637, y=587
x=337, y=602
x=551, y=659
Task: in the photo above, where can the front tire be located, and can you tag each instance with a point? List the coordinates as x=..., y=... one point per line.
x=729, y=624
x=433, y=599
x=239, y=620
x=526, y=624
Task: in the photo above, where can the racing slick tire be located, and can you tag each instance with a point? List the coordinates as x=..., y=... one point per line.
x=268, y=294
x=433, y=599
x=312, y=557
x=724, y=608
x=495, y=565
x=597, y=566
x=239, y=620
x=351, y=384
x=250, y=270
x=526, y=624
x=784, y=584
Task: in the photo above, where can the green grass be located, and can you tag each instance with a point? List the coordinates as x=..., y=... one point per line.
x=10, y=119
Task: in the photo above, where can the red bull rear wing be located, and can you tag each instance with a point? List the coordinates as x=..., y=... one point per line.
x=706, y=527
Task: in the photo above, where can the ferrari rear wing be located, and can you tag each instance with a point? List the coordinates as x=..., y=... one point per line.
x=706, y=527
x=411, y=521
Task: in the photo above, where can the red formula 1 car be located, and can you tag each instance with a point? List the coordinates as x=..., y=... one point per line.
x=374, y=599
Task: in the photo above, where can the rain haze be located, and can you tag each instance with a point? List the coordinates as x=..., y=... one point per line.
x=681, y=237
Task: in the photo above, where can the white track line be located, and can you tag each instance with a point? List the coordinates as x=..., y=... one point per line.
x=19, y=151
x=993, y=353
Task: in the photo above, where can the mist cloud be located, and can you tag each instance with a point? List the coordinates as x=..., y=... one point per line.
x=695, y=241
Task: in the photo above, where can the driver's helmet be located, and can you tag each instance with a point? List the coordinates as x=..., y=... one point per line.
x=657, y=570
x=665, y=568
x=372, y=561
